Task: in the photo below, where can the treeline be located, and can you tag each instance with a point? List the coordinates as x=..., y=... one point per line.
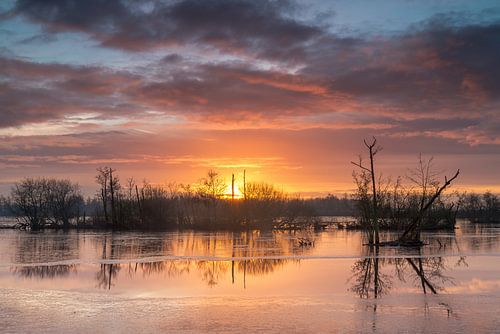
x=480, y=208
x=41, y=202
x=206, y=204
x=5, y=210
x=118, y=204
x=331, y=205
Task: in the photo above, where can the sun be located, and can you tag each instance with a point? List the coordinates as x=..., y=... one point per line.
x=237, y=193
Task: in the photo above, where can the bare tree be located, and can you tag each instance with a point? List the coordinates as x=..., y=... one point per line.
x=110, y=185
x=102, y=179
x=64, y=200
x=424, y=176
x=232, y=187
x=212, y=185
x=113, y=182
x=363, y=203
x=37, y=201
x=373, y=149
x=412, y=232
x=28, y=200
x=392, y=204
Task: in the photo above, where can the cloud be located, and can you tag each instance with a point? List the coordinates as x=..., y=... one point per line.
x=36, y=92
x=241, y=84
x=221, y=93
x=436, y=68
x=225, y=92
x=439, y=78
x=259, y=28
x=402, y=96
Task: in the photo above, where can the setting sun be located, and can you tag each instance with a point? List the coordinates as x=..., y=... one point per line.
x=237, y=193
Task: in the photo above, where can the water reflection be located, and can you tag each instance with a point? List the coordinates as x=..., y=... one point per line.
x=210, y=272
x=373, y=277
x=218, y=256
x=106, y=275
x=38, y=247
x=185, y=244
x=56, y=246
x=146, y=276
x=367, y=279
x=45, y=271
x=118, y=247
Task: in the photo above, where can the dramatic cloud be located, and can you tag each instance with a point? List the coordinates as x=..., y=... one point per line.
x=202, y=83
x=33, y=92
x=436, y=68
x=258, y=28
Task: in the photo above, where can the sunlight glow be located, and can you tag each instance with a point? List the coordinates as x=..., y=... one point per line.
x=237, y=193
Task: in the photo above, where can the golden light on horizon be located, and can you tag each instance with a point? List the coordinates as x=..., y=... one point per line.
x=237, y=193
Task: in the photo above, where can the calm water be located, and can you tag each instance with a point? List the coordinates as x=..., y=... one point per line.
x=248, y=282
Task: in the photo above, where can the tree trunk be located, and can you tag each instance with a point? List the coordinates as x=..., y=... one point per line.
x=375, y=204
x=112, y=193
x=232, y=188
x=138, y=203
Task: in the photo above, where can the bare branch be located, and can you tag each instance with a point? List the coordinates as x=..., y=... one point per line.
x=360, y=166
x=436, y=195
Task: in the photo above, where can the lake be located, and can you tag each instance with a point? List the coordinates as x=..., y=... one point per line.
x=190, y=282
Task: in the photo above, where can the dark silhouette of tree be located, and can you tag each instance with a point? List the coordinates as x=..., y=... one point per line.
x=373, y=149
x=38, y=201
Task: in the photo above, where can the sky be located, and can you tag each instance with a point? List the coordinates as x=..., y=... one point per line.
x=286, y=90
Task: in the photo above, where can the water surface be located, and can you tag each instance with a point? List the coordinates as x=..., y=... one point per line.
x=190, y=281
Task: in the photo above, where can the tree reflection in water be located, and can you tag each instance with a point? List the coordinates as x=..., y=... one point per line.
x=368, y=281
x=39, y=247
x=246, y=246
x=45, y=271
x=241, y=255
x=428, y=273
x=246, y=251
x=107, y=271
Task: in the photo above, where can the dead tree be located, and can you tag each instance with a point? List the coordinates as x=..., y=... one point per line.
x=112, y=193
x=232, y=187
x=139, y=205
x=109, y=187
x=244, y=185
x=412, y=229
x=102, y=180
x=373, y=149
